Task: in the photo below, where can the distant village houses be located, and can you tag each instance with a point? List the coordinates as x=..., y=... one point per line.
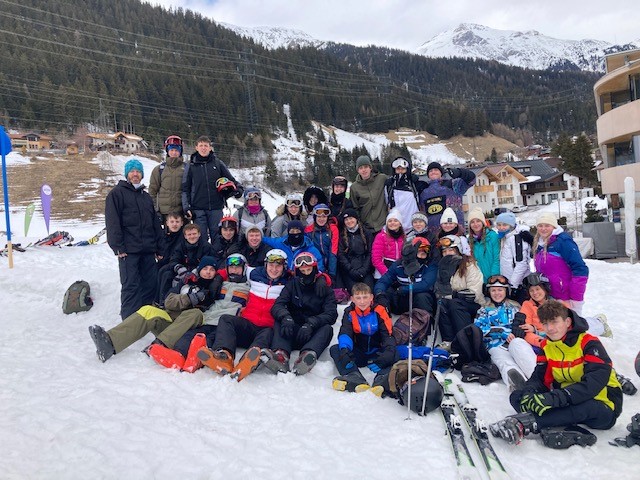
x=32, y=142
x=116, y=142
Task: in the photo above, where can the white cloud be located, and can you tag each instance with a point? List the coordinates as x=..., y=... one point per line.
x=407, y=24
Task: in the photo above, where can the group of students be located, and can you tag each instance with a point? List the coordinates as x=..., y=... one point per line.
x=270, y=286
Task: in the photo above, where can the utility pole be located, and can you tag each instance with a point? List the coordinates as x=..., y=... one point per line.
x=247, y=75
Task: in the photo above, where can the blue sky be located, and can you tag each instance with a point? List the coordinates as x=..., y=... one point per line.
x=409, y=23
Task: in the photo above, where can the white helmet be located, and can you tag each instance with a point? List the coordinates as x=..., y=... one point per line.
x=450, y=241
x=276, y=255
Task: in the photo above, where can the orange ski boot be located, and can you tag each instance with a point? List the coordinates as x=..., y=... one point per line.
x=193, y=363
x=165, y=356
x=247, y=364
x=220, y=361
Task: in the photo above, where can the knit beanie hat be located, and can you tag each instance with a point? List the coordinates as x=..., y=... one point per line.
x=476, y=214
x=207, y=261
x=350, y=212
x=133, y=164
x=433, y=165
x=547, y=217
x=448, y=216
x=419, y=216
x=363, y=160
x=507, y=218
x=394, y=213
x=295, y=224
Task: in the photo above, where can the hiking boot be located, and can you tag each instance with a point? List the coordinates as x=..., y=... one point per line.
x=305, y=362
x=351, y=382
x=165, y=356
x=192, y=362
x=220, y=361
x=516, y=380
x=276, y=362
x=515, y=427
x=104, y=346
x=607, y=329
x=247, y=364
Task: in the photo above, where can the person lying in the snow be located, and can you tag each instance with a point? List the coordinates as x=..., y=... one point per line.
x=574, y=382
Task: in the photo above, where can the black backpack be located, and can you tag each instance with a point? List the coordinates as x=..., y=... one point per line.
x=77, y=298
x=469, y=345
x=419, y=327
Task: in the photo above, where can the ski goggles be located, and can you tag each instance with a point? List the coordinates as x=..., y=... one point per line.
x=173, y=141
x=322, y=212
x=534, y=279
x=400, y=162
x=291, y=203
x=254, y=196
x=497, y=281
x=274, y=258
x=235, y=262
x=447, y=243
x=422, y=244
x=305, y=259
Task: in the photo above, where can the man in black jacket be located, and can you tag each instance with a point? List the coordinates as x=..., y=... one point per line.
x=134, y=234
x=201, y=200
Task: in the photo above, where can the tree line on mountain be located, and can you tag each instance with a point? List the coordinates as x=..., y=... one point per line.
x=143, y=69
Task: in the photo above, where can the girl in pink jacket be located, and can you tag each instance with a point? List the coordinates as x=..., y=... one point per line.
x=387, y=246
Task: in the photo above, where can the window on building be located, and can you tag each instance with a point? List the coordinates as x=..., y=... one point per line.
x=623, y=153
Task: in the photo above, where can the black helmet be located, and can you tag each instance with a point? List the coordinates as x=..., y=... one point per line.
x=434, y=394
x=534, y=279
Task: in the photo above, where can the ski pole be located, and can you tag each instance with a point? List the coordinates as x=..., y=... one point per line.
x=410, y=356
x=430, y=363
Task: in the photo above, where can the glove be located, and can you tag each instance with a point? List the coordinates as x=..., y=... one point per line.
x=188, y=215
x=516, y=326
x=466, y=295
x=453, y=172
x=385, y=358
x=304, y=334
x=382, y=299
x=374, y=367
x=237, y=193
x=196, y=295
x=180, y=269
x=346, y=355
x=539, y=403
x=286, y=327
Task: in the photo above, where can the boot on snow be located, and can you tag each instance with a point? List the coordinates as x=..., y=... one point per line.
x=247, y=364
x=628, y=388
x=634, y=434
x=305, y=362
x=561, y=438
x=516, y=380
x=192, y=362
x=165, y=356
x=351, y=382
x=275, y=361
x=220, y=361
x=515, y=427
x=104, y=346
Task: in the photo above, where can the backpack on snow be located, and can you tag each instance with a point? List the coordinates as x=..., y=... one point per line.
x=77, y=298
x=469, y=345
x=419, y=327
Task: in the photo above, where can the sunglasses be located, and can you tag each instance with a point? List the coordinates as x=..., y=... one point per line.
x=321, y=212
x=304, y=260
x=294, y=203
x=235, y=262
x=279, y=259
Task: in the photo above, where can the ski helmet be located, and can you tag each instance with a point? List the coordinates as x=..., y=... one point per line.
x=252, y=192
x=305, y=258
x=534, y=279
x=293, y=199
x=339, y=180
x=435, y=394
x=322, y=210
x=275, y=255
x=236, y=259
x=228, y=222
x=225, y=187
x=173, y=141
x=496, y=281
x=450, y=241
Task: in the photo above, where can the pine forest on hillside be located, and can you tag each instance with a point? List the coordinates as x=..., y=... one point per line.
x=131, y=66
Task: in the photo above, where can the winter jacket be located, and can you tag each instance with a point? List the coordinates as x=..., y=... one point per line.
x=132, y=224
x=367, y=197
x=495, y=322
x=368, y=331
x=165, y=186
x=255, y=257
x=450, y=281
x=222, y=247
x=472, y=280
x=423, y=280
x=231, y=298
x=511, y=266
x=402, y=191
x=189, y=254
x=563, y=265
x=338, y=204
x=262, y=220
x=263, y=293
x=170, y=241
x=576, y=369
x=176, y=301
x=354, y=253
x=326, y=241
x=199, y=183
x=446, y=192
x=280, y=223
x=314, y=303
x=385, y=247
x=307, y=246
x=486, y=252
x=530, y=310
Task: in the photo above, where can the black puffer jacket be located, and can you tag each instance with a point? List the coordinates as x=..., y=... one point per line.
x=354, y=253
x=132, y=224
x=221, y=248
x=255, y=258
x=170, y=242
x=190, y=254
x=314, y=303
x=199, y=183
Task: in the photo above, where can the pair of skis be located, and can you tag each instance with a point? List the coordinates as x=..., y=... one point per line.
x=455, y=397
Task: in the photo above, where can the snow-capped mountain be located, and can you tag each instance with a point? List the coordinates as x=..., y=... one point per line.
x=528, y=49
x=276, y=37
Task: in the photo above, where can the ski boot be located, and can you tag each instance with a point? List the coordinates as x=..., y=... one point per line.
x=104, y=346
x=305, y=362
x=628, y=388
x=516, y=380
x=351, y=382
x=561, y=438
x=634, y=434
x=220, y=361
x=247, y=364
x=275, y=362
x=192, y=362
x=515, y=427
x=165, y=356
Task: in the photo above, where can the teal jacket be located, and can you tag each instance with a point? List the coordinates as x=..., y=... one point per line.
x=487, y=253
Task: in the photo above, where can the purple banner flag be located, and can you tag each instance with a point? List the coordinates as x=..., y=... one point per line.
x=45, y=197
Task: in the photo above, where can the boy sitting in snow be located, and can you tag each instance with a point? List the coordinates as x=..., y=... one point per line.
x=365, y=339
x=574, y=382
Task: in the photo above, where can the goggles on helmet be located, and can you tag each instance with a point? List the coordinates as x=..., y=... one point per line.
x=305, y=259
x=254, y=196
x=400, y=162
x=322, y=212
x=297, y=203
x=422, y=244
x=173, y=141
x=534, y=279
x=276, y=258
x=497, y=281
x=236, y=261
x=446, y=242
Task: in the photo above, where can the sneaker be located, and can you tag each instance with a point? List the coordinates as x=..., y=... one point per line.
x=247, y=364
x=305, y=362
x=607, y=329
x=165, y=356
x=104, y=346
x=516, y=380
x=192, y=362
x=276, y=362
x=220, y=361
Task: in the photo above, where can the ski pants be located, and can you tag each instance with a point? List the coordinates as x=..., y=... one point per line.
x=399, y=302
x=152, y=319
x=516, y=355
x=318, y=342
x=233, y=332
x=208, y=221
x=455, y=314
x=345, y=281
x=184, y=342
x=139, y=278
x=592, y=413
x=346, y=366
